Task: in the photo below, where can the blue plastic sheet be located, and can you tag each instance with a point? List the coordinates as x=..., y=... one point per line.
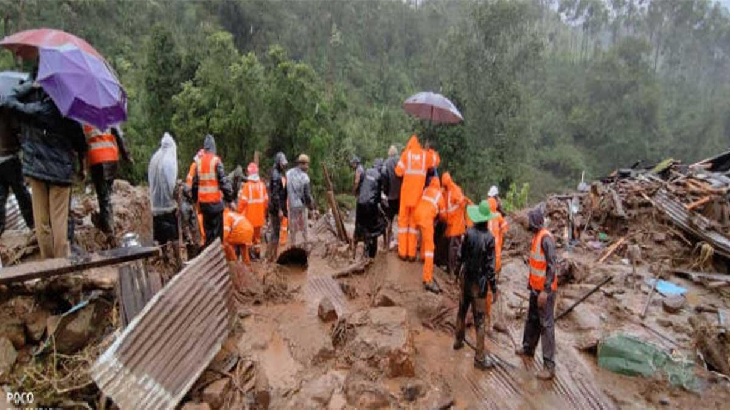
x=667, y=288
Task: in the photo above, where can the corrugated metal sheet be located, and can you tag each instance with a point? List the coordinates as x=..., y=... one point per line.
x=169, y=344
x=691, y=222
x=13, y=218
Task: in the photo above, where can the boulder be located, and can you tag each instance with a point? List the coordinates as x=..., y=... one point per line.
x=364, y=394
x=12, y=328
x=673, y=304
x=382, y=339
x=8, y=355
x=413, y=390
x=385, y=298
x=436, y=398
x=327, y=312
x=213, y=394
x=316, y=394
x=74, y=330
x=35, y=324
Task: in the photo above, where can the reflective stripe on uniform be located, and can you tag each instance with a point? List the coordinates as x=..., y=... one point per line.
x=428, y=254
x=412, y=170
x=251, y=199
x=101, y=144
x=414, y=231
x=402, y=230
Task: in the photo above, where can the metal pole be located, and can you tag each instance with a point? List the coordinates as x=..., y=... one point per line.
x=583, y=298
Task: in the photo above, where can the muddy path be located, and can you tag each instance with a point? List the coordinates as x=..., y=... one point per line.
x=295, y=349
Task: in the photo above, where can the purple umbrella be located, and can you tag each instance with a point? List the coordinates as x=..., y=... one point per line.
x=82, y=86
x=433, y=107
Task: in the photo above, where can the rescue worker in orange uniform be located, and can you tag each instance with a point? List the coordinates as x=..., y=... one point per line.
x=253, y=203
x=454, y=218
x=433, y=161
x=192, y=169
x=498, y=227
x=542, y=283
x=209, y=188
x=238, y=234
x=412, y=167
x=424, y=216
x=103, y=158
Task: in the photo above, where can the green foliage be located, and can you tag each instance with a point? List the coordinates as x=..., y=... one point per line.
x=516, y=199
x=546, y=91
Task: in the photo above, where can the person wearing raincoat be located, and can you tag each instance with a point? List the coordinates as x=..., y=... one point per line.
x=162, y=173
x=424, y=216
x=237, y=236
x=370, y=221
x=454, y=218
x=253, y=203
x=412, y=168
x=277, y=207
x=50, y=143
x=209, y=188
x=392, y=188
x=300, y=200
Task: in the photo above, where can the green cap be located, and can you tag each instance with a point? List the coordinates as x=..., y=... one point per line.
x=480, y=213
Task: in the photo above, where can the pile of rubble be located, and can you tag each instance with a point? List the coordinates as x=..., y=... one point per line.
x=676, y=214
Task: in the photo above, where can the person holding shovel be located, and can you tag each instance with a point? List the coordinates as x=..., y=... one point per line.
x=477, y=260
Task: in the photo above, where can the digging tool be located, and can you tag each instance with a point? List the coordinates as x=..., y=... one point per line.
x=583, y=298
x=649, y=296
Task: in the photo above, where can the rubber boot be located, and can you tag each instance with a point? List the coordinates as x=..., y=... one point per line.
x=432, y=287
x=546, y=374
x=484, y=363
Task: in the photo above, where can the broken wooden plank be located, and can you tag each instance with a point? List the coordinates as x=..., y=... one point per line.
x=618, y=208
x=698, y=203
x=611, y=249
x=696, y=276
x=54, y=267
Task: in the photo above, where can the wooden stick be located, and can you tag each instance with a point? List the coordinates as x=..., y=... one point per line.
x=583, y=298
x=698, y=203
x=649, y=296
x=611, y=249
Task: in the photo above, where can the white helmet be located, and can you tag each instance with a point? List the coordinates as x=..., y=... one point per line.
x=493, y=191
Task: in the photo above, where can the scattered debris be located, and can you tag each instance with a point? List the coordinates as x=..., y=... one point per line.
x=191, y=315
x=673, y=304
x=712, y=342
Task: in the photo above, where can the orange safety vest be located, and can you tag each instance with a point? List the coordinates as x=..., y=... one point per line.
x=206, y=169
x=253, y=202
x=102, y=146
x=538, y=263
x=455, y=222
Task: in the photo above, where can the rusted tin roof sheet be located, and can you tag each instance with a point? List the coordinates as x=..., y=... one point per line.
x=692, y=222
x=171, y=341
x=13, y=218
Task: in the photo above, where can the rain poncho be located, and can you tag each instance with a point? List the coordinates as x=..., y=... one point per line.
x=162, y=173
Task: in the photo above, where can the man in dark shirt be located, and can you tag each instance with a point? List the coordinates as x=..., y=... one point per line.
x=477, y=260
x=543, y=284
x=277, y=207
x=392, y=188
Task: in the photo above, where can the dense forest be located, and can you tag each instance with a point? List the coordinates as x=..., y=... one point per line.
x=548, y=88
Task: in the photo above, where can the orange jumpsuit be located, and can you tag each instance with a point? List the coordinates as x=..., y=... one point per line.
x=454, y=218
x=498, y=226
x=237, y=232
x=252, y=204
x=412, y=168
x=431, y=203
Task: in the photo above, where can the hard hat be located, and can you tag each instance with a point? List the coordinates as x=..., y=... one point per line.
x=493, y=191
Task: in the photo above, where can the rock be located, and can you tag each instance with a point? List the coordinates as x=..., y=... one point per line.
x=8, y=355
x=327, y=312
x=385, y=298
x=348, y=290
x=214, y=393
x=659, y=237
x=196, y=406
x=665, y=323
x=367, y=395
x=586, y=319
x=664, y=401
x=35, y=325
x=382, y=339
x=317, y=393
x=412, y=390
x=325, y=353
x=674, y=304
x=75, y=330
x=12, y=329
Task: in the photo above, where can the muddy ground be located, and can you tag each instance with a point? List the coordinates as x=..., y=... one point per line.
x=378, y=341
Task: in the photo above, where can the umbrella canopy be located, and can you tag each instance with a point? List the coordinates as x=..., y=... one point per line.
x=433, y=107
x=26, y=43
x=9, y=80
x=82, y=86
